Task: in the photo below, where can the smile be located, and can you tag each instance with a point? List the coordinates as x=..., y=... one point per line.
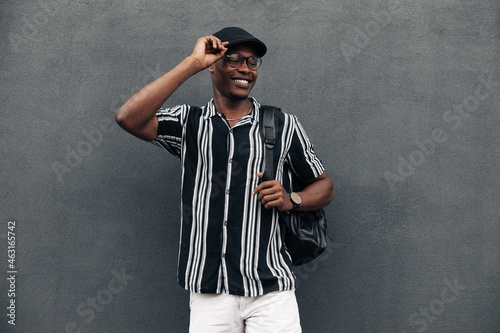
x=242, y=81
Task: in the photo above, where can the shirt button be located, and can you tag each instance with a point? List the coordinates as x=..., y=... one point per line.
x=231, y=130
x=230, y=160
x=223, y=255
x=225, y=222
x=227, y=191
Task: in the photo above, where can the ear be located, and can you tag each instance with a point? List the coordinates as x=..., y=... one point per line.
x=211, y=68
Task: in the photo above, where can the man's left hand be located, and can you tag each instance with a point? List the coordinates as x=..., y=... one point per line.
x=271, y=193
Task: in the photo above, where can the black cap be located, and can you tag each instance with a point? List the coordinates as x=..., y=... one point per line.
x=235, y=36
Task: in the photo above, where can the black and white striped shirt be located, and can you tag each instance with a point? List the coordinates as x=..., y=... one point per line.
x=229, y=242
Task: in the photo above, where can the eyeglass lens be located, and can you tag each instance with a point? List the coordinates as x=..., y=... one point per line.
x=236, y=60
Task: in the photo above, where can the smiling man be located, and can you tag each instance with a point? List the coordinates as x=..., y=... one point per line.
x=232, y=257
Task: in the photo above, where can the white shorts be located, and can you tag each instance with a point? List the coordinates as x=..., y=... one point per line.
x=270, y=313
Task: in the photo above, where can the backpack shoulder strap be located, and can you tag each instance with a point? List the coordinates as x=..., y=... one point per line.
x=268, y=133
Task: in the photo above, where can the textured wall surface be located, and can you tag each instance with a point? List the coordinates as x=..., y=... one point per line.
x=400, y=97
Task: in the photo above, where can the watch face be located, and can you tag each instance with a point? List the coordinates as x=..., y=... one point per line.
x=295, y=198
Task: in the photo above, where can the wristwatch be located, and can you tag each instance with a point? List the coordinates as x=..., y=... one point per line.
x=296, y=200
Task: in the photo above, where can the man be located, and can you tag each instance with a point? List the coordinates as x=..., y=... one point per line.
x=232, y=258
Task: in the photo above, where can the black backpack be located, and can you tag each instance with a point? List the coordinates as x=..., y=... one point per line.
x=306, y=232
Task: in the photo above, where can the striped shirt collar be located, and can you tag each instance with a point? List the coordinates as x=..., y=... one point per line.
x=210, y=111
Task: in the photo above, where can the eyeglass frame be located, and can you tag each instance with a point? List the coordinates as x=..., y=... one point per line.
x=245, y=59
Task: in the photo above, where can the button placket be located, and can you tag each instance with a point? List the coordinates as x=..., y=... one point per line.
x=227, y=192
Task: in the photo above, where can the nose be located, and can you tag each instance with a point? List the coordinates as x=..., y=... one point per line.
x=244, y=67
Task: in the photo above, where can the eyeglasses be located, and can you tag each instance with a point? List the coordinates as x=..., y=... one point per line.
x=236, y=60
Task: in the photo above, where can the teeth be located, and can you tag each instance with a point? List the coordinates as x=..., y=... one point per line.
x=241, y=81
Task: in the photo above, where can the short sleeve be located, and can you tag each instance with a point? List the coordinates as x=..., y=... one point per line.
x=301, y=155
x=170, y=125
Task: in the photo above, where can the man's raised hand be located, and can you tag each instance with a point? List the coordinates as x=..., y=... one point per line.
x=208, y=50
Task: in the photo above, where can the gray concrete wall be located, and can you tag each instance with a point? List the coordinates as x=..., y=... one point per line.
x=401, y=99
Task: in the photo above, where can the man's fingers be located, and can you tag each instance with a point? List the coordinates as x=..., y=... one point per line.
x=270, y=191
x=261, y=185
x=217, y=46
x=212, y=44
x=267, y=199
x=264, y=185
x=208, y=50
x=276, y=202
